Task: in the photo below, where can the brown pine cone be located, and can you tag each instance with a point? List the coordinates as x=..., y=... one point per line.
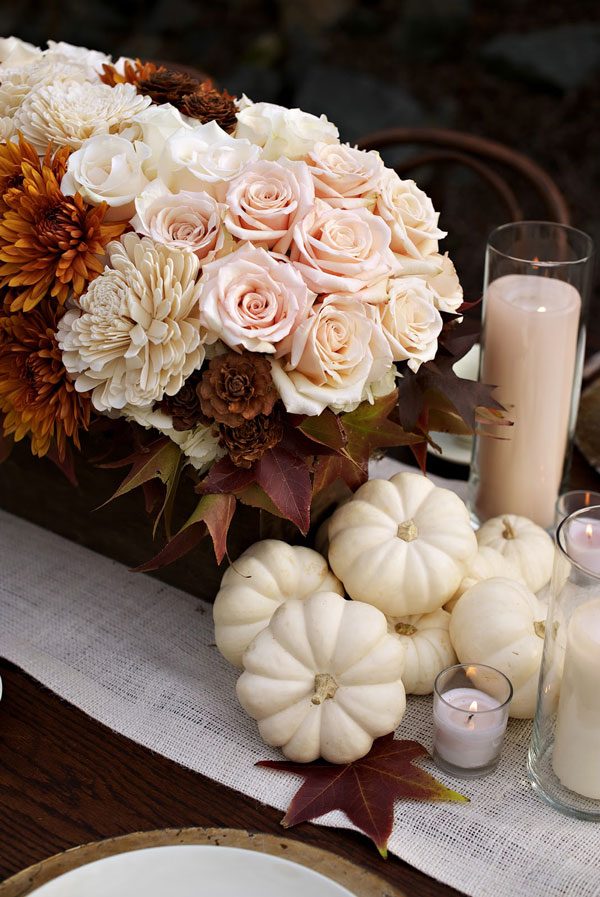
x=236, y=388
x=247, y=443
x=167, y=86
x=209, y=104
x=184, y=406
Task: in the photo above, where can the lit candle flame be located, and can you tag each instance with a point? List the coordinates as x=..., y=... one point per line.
x=589, y=532
x=473, y=707
x=541, y=308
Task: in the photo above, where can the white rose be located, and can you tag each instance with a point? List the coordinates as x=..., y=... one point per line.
x=266, y=200
x=204, y=158
x=284, y=132
x=156, y=124
x=345, y=177
x=341, y=250
x=410, y=321
x=199, y=445
x=14, y=51
x=332, y=358
x=183, y=220
x=251, y=299
x=107, y=169
x=410, y=215
x=445, y=285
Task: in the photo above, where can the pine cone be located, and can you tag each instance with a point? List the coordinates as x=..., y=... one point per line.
x=209, y=104
x=184, y=406
x=167, y=86
x=235, y=388
x=247, y=443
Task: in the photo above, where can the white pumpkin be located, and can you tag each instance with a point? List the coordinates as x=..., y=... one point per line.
x=324, y=679
x=524, y=543
x=487, y=563
x=402, y=544
x=499, y=622
x=427, y=648
x=263, y=577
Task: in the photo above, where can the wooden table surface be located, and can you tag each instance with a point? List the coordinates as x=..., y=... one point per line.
x=65, y=780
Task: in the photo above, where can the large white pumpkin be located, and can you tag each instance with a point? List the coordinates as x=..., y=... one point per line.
x=427, y=648
x=487, y=563
x=500, y=622
x=324, y=679
x=402, y=544
x=263, y=577
x=522, y=542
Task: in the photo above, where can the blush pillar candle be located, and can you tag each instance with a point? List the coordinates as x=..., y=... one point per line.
x=536, y=285
x=470, y=713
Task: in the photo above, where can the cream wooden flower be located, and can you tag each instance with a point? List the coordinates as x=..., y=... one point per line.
x=69, y=112
x=18, y=81
x=136, y=335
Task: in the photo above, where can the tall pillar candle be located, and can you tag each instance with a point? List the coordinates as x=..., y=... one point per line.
x=530, y=352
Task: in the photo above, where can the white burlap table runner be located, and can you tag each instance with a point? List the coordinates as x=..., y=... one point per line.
x=138, y=656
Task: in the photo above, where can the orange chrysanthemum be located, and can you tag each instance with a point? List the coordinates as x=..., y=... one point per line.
x=12, y=157
x=50, y=244
x=134, y=71
x=37, y=397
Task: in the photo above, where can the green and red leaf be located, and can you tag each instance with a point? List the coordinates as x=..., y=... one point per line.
x=369, y=427
x=285, y=477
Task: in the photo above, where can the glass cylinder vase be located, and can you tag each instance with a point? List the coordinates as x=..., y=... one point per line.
x=536, y=288
x=564, y=755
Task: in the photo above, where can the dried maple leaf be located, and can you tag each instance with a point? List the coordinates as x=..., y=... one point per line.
x=364, y=790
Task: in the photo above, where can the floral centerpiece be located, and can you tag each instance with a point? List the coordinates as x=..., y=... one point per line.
x=254, y=303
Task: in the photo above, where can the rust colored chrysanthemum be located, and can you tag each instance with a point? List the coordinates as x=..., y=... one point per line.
x=209, y=104
x=12, y=157
x=168, y=86
x=134, y=71
x=184, y=406
x=236, y=388
x=37, y=398
x=247, y=443
x=50, y=244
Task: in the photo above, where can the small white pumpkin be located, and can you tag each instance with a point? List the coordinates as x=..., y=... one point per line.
x=402, y=544
x=324, y=679
x=263, y=577
x=487, y=563
x=500, y=622
x=427, y=648
x=524, y=543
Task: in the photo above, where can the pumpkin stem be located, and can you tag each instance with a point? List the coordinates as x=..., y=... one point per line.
x=325, y=688
x=405, y=629
x=508, y=532
x=408, y=531
x=539, y=627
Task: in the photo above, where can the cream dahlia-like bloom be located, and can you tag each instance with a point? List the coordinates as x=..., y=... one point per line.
x=16, y=83
x=445, y=285
x=345, y=177
x=14, y=51
x=410, y=215
x=7, y=128
x=136, y=335
x=200, y=446
x=89, y=60
x=410, y=321
x=69, y=112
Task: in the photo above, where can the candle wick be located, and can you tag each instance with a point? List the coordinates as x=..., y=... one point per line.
x=470, y=717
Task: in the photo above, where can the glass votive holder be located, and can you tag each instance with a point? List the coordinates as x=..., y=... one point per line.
x=470, y=713
x=569, y=502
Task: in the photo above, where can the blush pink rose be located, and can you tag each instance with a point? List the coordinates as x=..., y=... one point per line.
x=265, y=202
x=250, y=299
x=341, y=250
x=410, y=215
x=410, y=321
x=346, y=177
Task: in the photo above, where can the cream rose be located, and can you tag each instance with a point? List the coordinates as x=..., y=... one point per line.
x=341, y=250
x=107, y=169
x=332, y=358
x=283, y=132
x=345, y=177
x=266, y=201
x=410, y=215
x=445, y=285
x=182, y=220
x=410, y=321
x=156, y=124
x=14, y=51
x=252, y=300
x=204, y=158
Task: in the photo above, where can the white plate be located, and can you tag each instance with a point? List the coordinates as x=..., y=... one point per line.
x=192, y=870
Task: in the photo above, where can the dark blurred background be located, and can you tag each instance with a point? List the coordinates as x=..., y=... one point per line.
x=521, y=72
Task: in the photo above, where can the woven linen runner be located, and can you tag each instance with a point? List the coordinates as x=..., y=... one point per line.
x=138, y=656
